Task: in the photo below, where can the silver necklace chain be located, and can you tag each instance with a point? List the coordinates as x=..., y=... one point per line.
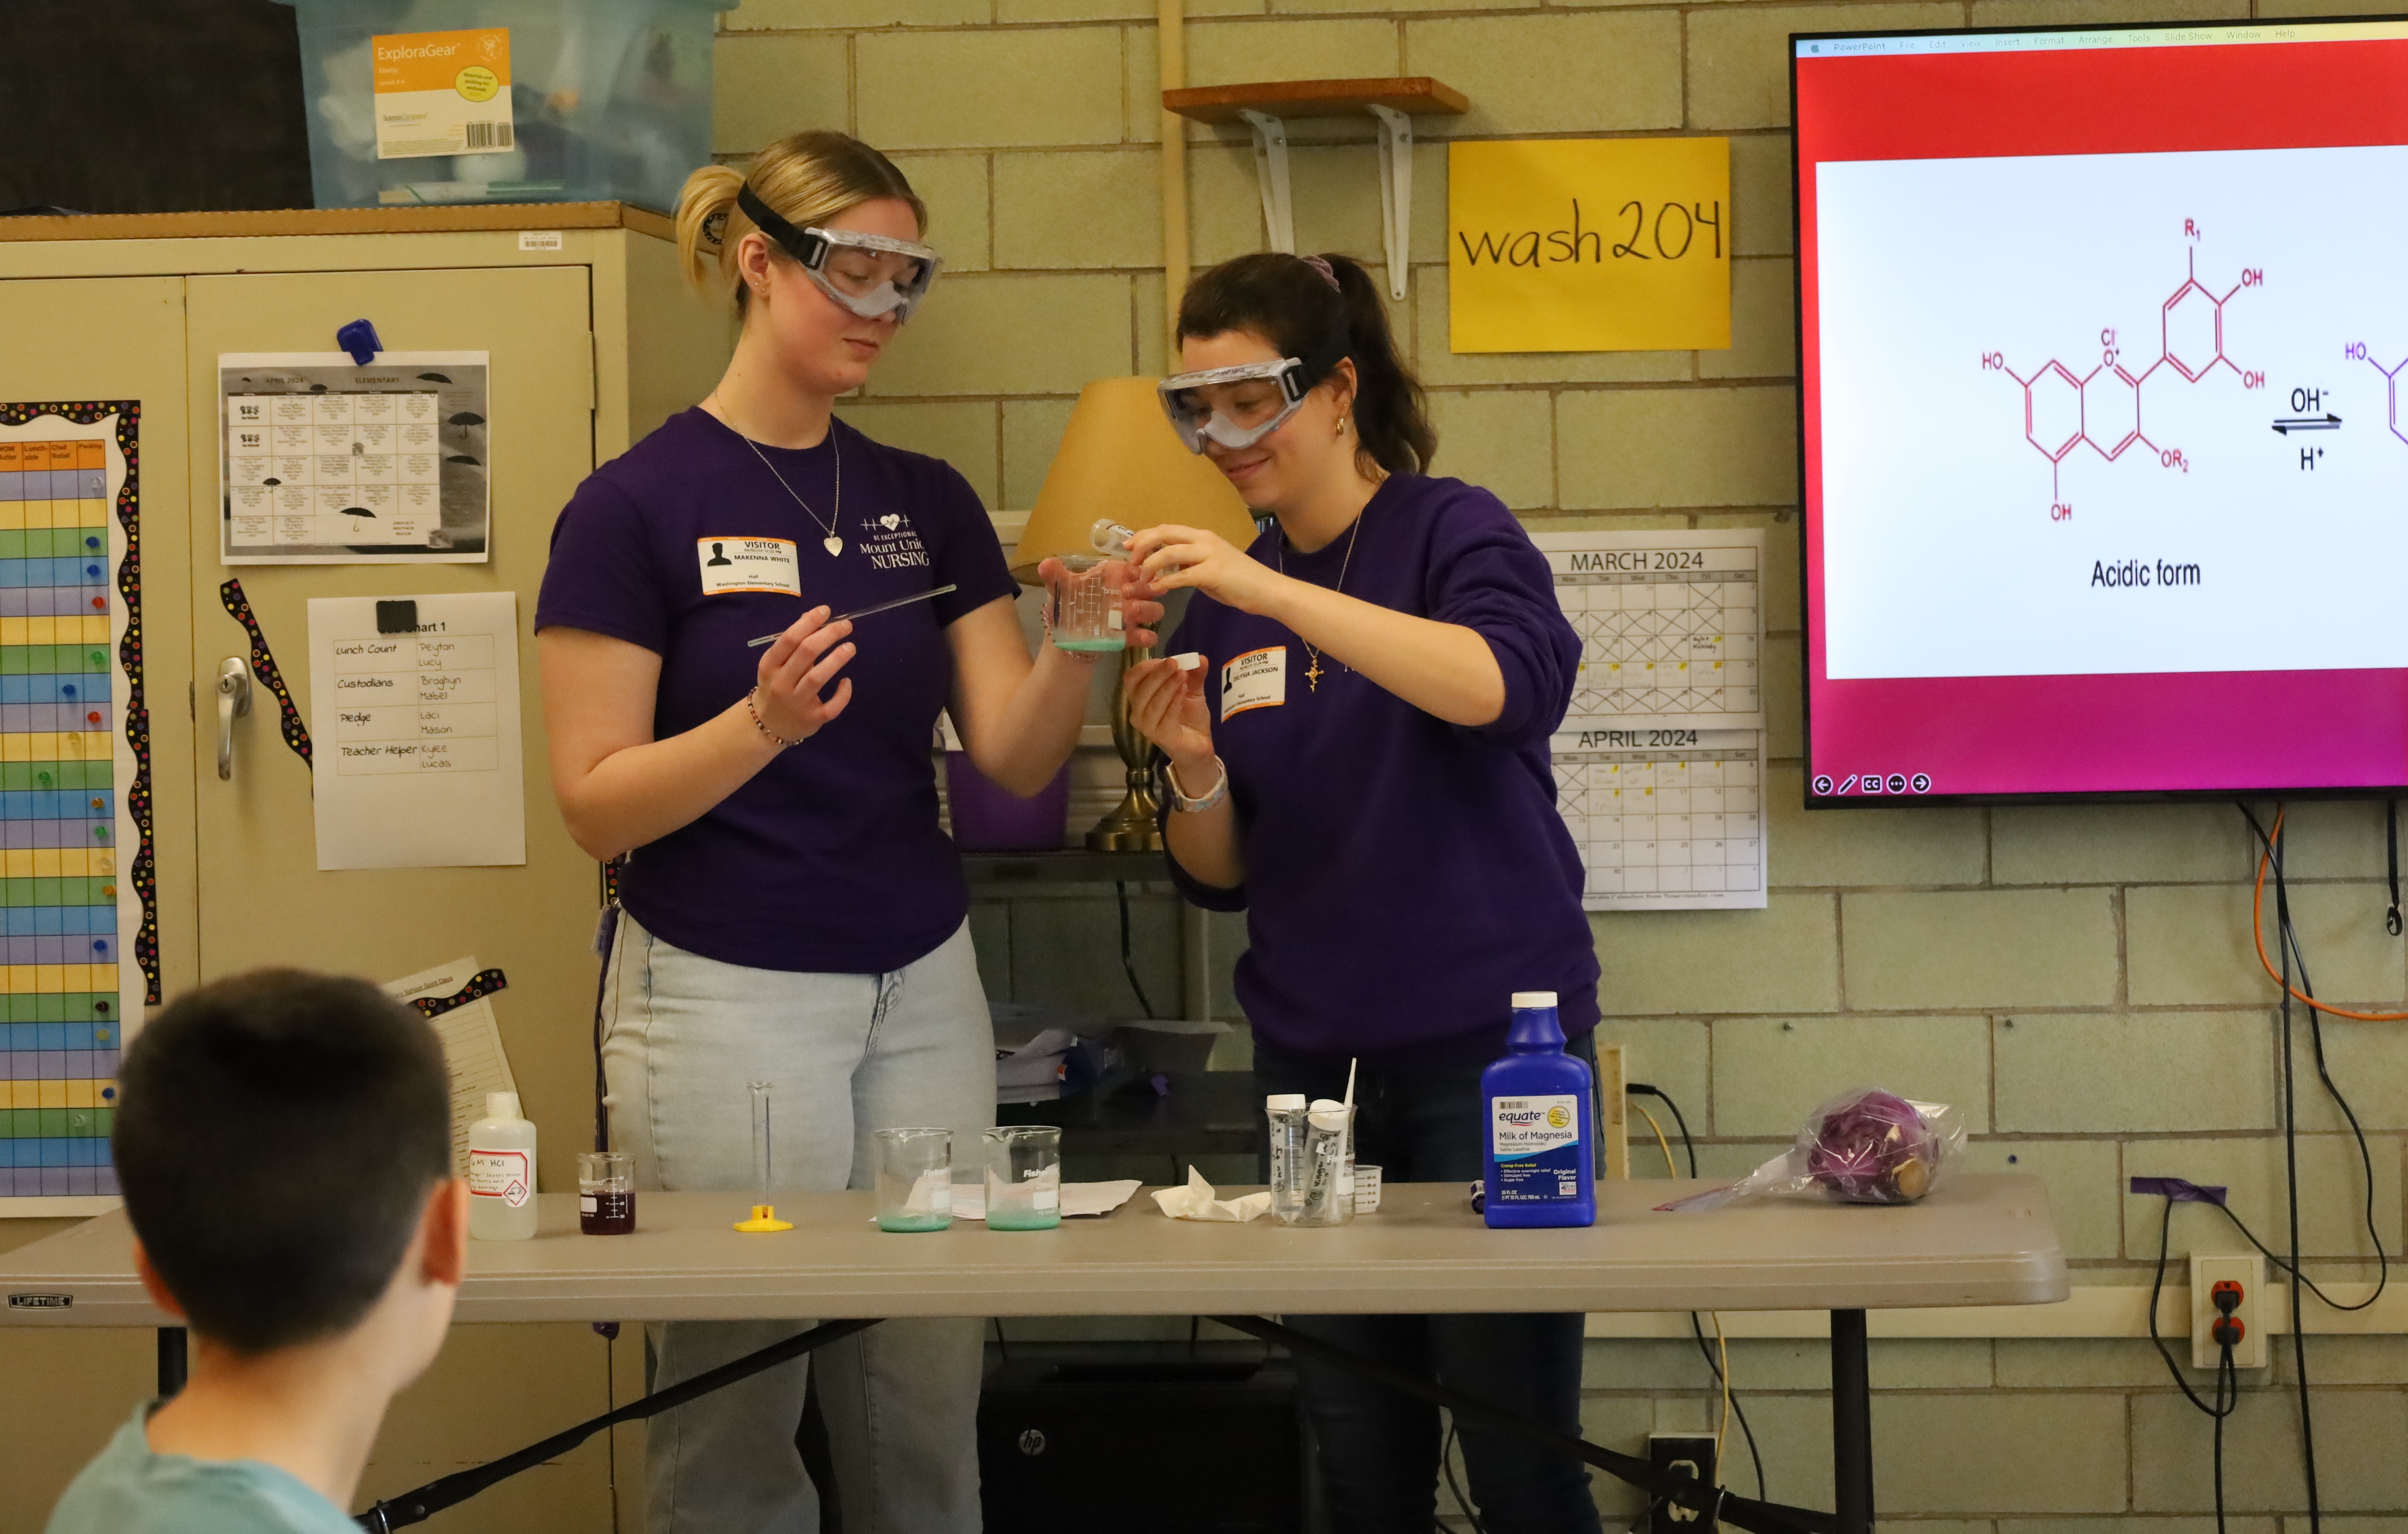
x=1279, y=551
x=834, y=544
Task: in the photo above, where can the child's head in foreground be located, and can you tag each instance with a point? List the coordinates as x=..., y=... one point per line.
x=283, y=1145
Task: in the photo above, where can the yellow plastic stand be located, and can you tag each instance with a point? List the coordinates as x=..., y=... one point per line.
x=763, y=1218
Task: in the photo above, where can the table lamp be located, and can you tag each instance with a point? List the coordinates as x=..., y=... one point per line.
x=1120, y=459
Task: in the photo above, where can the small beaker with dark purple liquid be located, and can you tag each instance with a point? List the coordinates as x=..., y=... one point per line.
x=605, y=1193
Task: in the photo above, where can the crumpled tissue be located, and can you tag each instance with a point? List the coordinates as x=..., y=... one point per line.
x=1196, y=1202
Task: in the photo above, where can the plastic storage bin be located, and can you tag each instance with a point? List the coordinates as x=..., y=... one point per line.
x=607, y=100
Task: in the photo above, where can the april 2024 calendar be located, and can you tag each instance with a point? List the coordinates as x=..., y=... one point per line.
x=1659, y=764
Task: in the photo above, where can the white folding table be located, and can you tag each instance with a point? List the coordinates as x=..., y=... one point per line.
x=1981, y=1239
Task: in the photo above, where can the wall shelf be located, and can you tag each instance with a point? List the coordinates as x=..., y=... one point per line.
x=1265, y=106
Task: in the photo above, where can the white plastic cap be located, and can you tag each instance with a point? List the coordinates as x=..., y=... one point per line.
x=501, y=1105
x=1327, y=1105
x=1279, y=1101
x=1533, y=998
x=1189, y=660
x=1329, y=1120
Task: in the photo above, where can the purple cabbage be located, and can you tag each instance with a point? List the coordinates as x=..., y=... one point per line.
x=1874, y=1149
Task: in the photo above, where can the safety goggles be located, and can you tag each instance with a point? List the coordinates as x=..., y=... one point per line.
x=1249, y=415
x=869, y=275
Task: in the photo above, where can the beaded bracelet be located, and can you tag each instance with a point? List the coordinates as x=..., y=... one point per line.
x=754, y=710
x=1179, y=799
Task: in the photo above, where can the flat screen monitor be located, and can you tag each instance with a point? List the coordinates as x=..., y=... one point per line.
x=2104, y=346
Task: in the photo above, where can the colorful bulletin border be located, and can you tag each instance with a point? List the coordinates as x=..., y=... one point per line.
x=68, y=892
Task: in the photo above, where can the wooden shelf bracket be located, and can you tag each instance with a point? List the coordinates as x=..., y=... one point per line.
x=1265, y=108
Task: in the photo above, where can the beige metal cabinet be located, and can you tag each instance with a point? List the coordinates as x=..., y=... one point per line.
x=593, y=344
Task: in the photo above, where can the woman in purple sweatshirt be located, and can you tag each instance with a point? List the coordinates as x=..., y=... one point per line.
x=1361, y=767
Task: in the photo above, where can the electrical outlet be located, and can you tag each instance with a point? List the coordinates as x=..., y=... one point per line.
x=1682, y=1453
x=2247, y=1269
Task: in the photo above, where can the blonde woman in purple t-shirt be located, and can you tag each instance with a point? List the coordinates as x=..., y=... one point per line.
x=792, y=912
x=1361, y=765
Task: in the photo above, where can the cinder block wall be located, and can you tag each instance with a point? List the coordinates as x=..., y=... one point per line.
x=2080, y=982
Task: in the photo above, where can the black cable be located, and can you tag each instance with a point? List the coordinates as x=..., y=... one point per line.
x=1647, y=1090
x=1462, y=1503
x=2391, y=854
x=1002, y=1348
x=2157, y=1287
x=2288, y=937
x=1128, y=962
x=2225, y=1379
x=1697, y=1329
x=2284, y=947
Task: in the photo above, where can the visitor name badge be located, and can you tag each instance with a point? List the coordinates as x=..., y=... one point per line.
x=1255, y=680
x=747, y=564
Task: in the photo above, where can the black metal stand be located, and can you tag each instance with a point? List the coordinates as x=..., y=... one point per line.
x=1852, y=1424
x=171, y=1361
x=416, y=1507
x=1851, y=1430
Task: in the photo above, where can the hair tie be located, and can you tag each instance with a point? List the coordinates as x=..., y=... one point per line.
x=714, y=227
x=1322, y=265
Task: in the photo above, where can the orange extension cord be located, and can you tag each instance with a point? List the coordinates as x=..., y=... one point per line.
x=2258, y=930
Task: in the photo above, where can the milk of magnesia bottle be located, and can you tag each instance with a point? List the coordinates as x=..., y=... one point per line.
x=1541, y=1143
x=501, y=1172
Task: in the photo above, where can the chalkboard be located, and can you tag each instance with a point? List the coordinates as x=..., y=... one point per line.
x=150, y=105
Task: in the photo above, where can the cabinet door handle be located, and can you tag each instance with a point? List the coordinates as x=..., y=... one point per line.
x=234, y=700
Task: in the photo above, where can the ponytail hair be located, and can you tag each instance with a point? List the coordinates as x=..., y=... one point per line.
x=804, y=177
x=1288, y=301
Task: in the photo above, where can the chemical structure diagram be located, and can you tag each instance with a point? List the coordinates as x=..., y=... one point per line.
x=2064, y=408
x=2357, y=351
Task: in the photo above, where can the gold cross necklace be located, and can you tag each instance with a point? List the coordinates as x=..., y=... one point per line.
x=1279, y=551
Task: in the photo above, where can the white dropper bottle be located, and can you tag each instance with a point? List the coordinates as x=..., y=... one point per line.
x=501, y=1172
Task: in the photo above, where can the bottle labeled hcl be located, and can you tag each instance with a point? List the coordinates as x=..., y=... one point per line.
x=1541, y=1146
x=501, y=1172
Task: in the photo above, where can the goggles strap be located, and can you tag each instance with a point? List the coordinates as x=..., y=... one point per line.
x=797, y=243
x=1324, y=358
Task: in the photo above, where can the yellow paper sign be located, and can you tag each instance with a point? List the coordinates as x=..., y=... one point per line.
x=1588, y=245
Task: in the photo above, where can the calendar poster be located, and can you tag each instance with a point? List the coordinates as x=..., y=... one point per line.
x=78, y=928
x=325, y=462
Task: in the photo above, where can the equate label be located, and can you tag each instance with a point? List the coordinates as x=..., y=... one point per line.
x=442, y=92
x=1536, y=1144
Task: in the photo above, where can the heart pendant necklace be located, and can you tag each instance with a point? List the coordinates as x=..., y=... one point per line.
x=832, y=543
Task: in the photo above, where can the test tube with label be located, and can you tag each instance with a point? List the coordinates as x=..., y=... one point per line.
x=1285, y=1112
x=1328, y=1194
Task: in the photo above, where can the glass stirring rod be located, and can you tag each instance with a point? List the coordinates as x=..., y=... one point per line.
x=864, y=612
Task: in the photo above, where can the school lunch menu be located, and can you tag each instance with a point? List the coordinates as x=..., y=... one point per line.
x=61, y=1003
x=329, y=463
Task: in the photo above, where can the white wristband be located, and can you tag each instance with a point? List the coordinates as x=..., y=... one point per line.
x=1179, y=799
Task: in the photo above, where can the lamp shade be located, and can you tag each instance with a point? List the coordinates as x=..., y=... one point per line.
x=1120, y=459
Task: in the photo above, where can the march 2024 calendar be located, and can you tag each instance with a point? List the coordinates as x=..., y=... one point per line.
x=1659, y=764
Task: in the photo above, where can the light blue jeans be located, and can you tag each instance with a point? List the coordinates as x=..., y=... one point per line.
x=850, y=1055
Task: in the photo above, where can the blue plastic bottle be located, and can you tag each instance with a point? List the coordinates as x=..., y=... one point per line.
x=1541, y=1146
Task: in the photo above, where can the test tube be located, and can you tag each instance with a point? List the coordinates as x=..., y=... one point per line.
x=761, y=1158
x=1110, y=539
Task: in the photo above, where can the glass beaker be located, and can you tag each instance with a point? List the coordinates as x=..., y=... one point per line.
x=605, y=1193
x=1024, y=1177
x=915, y=1179
x=1083, y=601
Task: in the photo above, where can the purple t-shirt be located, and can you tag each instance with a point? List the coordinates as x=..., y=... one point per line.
x=1404, y=876
x=830, y=859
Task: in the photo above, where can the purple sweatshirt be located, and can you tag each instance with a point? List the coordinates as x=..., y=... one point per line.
x=830, y=859
x=1404, y=876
